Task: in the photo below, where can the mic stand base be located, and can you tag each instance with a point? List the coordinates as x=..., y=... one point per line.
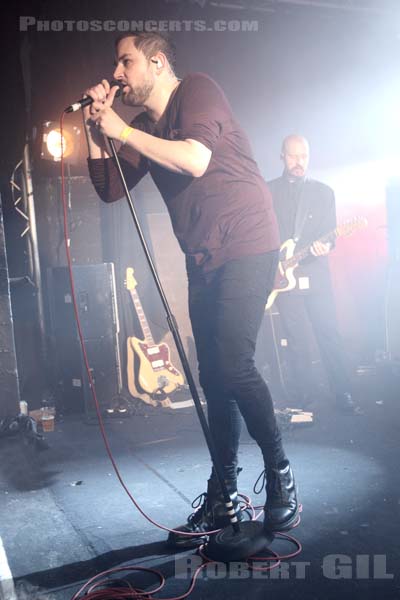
x=228, y=545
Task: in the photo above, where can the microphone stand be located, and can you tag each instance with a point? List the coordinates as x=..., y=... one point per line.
x=236, y=541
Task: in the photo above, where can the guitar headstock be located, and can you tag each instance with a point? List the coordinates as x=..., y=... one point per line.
x=130, y=281
x=348, y=227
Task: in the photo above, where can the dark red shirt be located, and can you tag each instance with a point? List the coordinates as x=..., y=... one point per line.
x=225, y=214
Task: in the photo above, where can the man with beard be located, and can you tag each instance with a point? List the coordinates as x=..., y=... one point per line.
x=221, y=212
x=305, y=210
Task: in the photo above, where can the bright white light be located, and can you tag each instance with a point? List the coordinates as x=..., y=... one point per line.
x=55, y=145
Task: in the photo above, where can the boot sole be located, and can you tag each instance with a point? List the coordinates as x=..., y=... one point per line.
x=186, y=541
x=285, y=526
x=174, y=540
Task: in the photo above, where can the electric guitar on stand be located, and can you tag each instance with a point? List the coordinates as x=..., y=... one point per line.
x=151, y=375
x=289, y=259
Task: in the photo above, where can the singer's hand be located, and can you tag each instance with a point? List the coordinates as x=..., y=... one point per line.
x=99, y=93
x=320, y=249
x=103, y=116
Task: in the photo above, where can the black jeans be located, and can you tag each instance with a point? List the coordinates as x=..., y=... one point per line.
x=226, y=310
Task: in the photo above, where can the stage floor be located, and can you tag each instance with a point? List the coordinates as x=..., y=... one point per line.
x=66, y=518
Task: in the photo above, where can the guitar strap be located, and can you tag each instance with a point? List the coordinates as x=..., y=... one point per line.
x=301, y=212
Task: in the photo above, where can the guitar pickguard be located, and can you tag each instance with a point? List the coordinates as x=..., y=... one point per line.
x=156, y=372
x=285, y=279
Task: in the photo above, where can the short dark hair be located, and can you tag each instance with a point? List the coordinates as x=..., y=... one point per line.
x=150, y=43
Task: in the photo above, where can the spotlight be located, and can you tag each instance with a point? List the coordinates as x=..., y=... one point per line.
x=53, y=145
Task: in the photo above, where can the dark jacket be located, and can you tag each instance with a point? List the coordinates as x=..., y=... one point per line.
x=316, y=202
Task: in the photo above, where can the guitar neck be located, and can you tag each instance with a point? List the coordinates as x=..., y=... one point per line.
x=298, y=256
x=142, y=317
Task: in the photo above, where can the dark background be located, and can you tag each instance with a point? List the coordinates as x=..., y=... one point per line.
x=331, y=73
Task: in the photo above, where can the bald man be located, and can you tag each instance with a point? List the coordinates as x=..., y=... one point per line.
x=306, y=211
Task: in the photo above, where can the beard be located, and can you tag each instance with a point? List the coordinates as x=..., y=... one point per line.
x=297, y=171
x=137, y=96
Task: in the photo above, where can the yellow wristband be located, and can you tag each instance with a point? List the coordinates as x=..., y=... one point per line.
x=125, y=133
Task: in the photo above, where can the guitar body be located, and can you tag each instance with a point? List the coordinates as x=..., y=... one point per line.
x=284, y=279
x=132, y=373
x=150, y=373
x=154, y=372
x=288, y=260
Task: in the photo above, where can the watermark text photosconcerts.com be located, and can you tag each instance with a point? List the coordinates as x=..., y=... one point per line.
x=29, y=23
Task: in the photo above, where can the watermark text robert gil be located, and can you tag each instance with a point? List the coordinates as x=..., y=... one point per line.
x=334, y=566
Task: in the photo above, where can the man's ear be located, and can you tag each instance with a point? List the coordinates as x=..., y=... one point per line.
x=158, y=62
x=159, y=59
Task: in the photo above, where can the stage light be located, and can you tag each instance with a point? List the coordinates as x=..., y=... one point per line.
x=53, y=145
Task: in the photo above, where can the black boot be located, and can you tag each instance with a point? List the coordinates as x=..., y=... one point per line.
x=209, y=516
x=281, y=508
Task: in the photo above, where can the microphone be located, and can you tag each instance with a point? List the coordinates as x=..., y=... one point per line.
x=88, y=100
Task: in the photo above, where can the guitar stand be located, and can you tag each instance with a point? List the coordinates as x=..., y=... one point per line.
x=237, y=541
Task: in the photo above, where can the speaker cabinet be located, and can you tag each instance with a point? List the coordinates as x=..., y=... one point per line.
x=95, y=294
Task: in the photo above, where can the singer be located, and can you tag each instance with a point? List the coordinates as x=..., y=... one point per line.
x=221, y=210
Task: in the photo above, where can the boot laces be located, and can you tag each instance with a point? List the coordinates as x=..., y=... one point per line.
x=200, y=504
x=274, y=484
x=258, y=487
x=200, y=500
x=204, y=505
